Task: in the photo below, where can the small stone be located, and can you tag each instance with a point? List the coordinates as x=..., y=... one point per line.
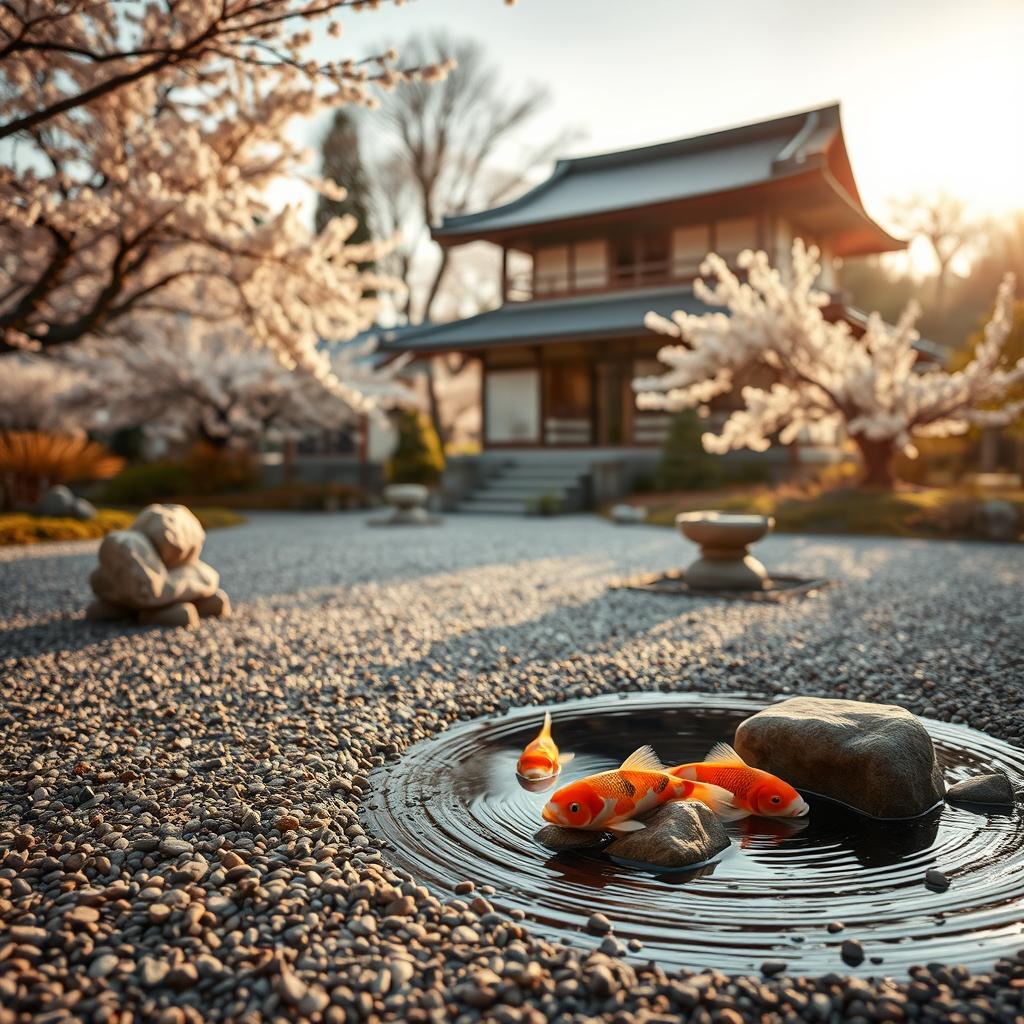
x=834, y=926
x=462, y=888
x=84, y=915
x=599, y=924
x=770, y=968
x=287, y=823
x=852, y=952
x=182, y=615
x=556, y=838
x=103, y=965
x=676, y=835
x=216, y=606
x=153, y=971
x=463, y=933
x=172, y=847
x=601, y=982
x=994, y=790
x=936, y=880
x=291, y=987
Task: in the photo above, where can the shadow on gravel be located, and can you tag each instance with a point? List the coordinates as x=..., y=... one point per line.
x=60, y=636
x=609, y=620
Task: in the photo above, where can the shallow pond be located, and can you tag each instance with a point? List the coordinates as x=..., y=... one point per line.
x=450, y=809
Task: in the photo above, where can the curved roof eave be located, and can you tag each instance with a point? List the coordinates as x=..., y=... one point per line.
x=811, y=134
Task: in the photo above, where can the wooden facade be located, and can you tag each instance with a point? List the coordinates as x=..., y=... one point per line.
x=586, y=253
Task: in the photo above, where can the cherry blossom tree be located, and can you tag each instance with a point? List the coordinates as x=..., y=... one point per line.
x=33, y=394
x=822, y=383
x=209, y=384
x=143, y=139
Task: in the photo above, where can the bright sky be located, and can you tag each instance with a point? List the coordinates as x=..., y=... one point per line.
x=931, y=90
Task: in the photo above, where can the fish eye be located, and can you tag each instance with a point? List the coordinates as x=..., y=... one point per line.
x=574, y=808
x=776, y=799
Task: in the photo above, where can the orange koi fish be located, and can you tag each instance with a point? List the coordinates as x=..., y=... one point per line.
x=613, y=800
x=753, y=790
x=541, y=759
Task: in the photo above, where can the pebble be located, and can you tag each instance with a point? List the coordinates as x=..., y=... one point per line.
x=599, y=924
x=852, y=952
x=936, y=880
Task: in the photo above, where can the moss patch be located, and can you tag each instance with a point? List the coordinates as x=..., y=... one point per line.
x=24, y=528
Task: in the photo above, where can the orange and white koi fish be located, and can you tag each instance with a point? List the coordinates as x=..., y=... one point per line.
x=613, y=800
x=541, y=759
x=753, y=790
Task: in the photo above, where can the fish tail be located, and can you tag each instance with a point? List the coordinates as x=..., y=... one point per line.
x=720, y=800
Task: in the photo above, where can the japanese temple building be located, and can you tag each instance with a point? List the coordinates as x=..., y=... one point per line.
x=609, y=237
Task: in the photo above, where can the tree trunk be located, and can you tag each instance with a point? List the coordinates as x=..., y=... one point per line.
x=876, y=462
x=434, y=404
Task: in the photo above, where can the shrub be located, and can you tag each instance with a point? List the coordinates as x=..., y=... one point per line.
x=293, y=497
x=147, y=482
x=220, y=470
x=417, y=459
x=545, y=505
x=685, y=466
x=21, y=528
x=30, y=461
x=205, y=471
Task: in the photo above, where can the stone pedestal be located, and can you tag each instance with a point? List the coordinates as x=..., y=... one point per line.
x=725, y=562
x=408, y=503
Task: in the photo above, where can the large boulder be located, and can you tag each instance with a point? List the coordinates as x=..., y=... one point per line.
x=132, y=575
x=876, y=758
x=174, y=531
x=677, y=835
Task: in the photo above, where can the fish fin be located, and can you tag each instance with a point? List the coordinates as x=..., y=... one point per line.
x=684, y=771
x=545, y=729
x=626, y=826
x=643, y=759
x=722, y=753
x=564, y=759
x=720, y=800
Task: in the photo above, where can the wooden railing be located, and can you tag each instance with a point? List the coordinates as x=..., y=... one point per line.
x=526, y=286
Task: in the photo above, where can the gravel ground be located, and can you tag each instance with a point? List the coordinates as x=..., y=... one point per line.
x=178, y=811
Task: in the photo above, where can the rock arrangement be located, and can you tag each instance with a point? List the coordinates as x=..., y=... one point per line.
x=876, y=758
x=61, y=503
x=151, y=572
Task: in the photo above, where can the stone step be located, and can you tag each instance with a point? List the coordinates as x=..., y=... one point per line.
x=493, y=506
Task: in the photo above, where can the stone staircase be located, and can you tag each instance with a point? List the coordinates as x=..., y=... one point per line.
x=514, y=485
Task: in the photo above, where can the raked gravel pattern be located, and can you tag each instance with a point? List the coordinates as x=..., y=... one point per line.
x=179, y=838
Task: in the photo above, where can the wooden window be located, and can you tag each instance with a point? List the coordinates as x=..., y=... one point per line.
x=734, y=235
x=590, y=264
x=512, y=401
x=689, y=247
x=551, y=270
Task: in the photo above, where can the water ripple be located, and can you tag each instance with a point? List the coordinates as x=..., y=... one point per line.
x=450, y=809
